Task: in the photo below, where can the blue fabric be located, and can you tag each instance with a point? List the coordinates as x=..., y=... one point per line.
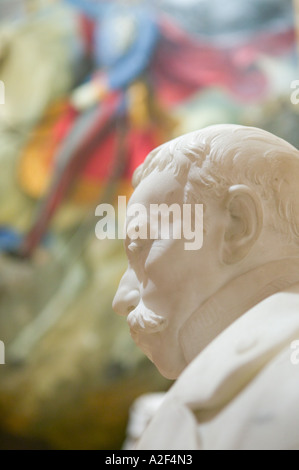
x=122, y=67
x=9, y=239
x=91, y=8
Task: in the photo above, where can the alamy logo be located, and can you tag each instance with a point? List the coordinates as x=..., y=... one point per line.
x=2, y=353
x=295, y=354
x=2, y=92
x=295, y=93
x=158, y=221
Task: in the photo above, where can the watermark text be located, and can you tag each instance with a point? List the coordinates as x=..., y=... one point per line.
x=295, y=354
x=156, y=222
x=2, y=92
x=2, y=353
x=295, y=93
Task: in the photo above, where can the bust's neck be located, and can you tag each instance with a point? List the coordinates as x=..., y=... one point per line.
x=233, y=300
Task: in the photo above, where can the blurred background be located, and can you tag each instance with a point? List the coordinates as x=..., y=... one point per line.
x=90, y=87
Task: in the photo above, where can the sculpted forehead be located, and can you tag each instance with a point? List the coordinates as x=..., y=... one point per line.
x=157, y=188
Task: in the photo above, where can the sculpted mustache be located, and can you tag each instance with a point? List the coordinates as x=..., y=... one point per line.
x=144, y=320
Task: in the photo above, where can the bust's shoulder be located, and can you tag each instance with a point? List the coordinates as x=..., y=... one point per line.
x=242, y=391
x=247, y=381
x=264, y=414
x=242, y=351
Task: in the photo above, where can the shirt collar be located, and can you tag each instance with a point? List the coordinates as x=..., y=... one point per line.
x=233, y=300
x=232, y=359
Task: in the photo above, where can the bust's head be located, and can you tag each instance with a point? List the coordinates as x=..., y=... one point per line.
x=247, y=181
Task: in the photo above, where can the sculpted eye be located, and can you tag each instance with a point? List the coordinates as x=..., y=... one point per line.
x=137, y=246
x=133, y=247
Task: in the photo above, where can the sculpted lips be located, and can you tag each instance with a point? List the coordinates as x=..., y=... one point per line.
x=144, y=320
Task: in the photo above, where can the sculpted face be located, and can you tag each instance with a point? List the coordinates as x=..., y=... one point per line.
x=244, y=178
x=165, y=283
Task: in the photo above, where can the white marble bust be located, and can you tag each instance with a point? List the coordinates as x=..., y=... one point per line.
x=221, y=319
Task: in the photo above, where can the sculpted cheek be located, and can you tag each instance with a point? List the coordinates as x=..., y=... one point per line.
x=154, y=260
x=162, y=254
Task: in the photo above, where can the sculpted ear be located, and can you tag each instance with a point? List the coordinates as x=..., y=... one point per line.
x=243, y=225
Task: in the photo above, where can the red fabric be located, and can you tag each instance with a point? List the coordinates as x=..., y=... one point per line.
x=86, y=29
x=275, y=44
x=64, y=181
x=183, y=65
x=64, y=124
x=140, y=143
x=137, y=146
x=101, y=160
x=98, y=156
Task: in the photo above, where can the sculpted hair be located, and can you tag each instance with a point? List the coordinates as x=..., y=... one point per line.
x=207, y=162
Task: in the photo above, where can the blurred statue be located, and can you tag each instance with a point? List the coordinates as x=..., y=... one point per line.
x=143, y=65
x=221, y=320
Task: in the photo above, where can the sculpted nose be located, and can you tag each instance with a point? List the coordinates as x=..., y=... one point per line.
x=127, y=296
